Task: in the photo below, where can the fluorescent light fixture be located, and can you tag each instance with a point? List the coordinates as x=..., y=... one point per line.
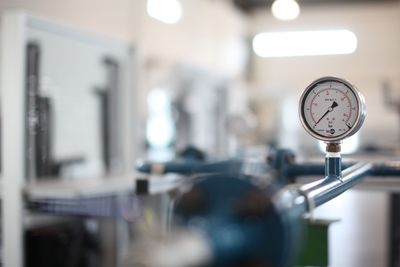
x=304, y=43
x=167, y=11
x=285, y=9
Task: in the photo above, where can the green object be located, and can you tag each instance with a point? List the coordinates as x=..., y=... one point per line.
x=315, y=247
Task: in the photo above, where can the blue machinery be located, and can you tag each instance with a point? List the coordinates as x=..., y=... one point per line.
x=251, y=214
x=251, y=223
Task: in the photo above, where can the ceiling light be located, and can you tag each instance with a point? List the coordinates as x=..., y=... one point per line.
x=304, y=43
x=167, y=11
x=285, y=9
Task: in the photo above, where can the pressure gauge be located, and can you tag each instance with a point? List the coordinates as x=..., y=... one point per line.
x=331, y=109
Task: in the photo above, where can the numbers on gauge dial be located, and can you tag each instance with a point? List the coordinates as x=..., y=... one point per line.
x=330, y=109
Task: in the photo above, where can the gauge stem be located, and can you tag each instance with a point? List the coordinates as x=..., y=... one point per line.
x=333, y=161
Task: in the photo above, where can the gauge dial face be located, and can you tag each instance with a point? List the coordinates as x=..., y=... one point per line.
x=331, y=109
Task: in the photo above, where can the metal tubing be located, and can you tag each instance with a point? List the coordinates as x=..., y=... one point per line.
x=333, y=166
x=311, y=169
x=237, y=167
x=191, y=167
x=322, y=191
x=386, y=169
x=381, y=170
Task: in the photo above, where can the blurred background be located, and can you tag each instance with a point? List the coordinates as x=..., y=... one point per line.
x=90, y=87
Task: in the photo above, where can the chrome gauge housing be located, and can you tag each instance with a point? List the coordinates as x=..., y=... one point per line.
x=332, y=109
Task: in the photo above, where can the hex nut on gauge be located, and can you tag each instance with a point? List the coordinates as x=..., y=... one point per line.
x=333, y=147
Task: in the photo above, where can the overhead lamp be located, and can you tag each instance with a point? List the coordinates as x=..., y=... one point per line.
x=166, y=11
x=285, y=9
x=304, y=43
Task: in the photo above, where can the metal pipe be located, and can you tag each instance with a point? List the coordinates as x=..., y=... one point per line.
x=234, y=166
x=386, y=169
x=333, y=166
x=190, y=167
x=237, y=166
x=303, y=169
x=380, y=170
x=322, y=191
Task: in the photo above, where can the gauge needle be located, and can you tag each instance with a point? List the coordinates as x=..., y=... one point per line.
x=334, y=105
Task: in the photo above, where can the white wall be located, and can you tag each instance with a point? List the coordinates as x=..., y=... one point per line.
x=360, y=238
x=377, y=27
x=112, y=18
x=208, y=36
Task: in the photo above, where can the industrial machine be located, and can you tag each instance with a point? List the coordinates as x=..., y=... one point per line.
x=245, y=213
x=241, y=212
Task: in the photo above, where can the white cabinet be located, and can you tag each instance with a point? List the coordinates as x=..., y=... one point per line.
x=83, y=100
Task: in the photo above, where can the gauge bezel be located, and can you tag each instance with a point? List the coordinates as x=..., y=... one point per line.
x=361, y=114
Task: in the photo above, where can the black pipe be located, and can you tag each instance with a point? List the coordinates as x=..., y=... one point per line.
x=44, y=158
x=32, y=107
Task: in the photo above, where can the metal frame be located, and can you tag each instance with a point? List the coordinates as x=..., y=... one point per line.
x=323, y=190
x=13, y=137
